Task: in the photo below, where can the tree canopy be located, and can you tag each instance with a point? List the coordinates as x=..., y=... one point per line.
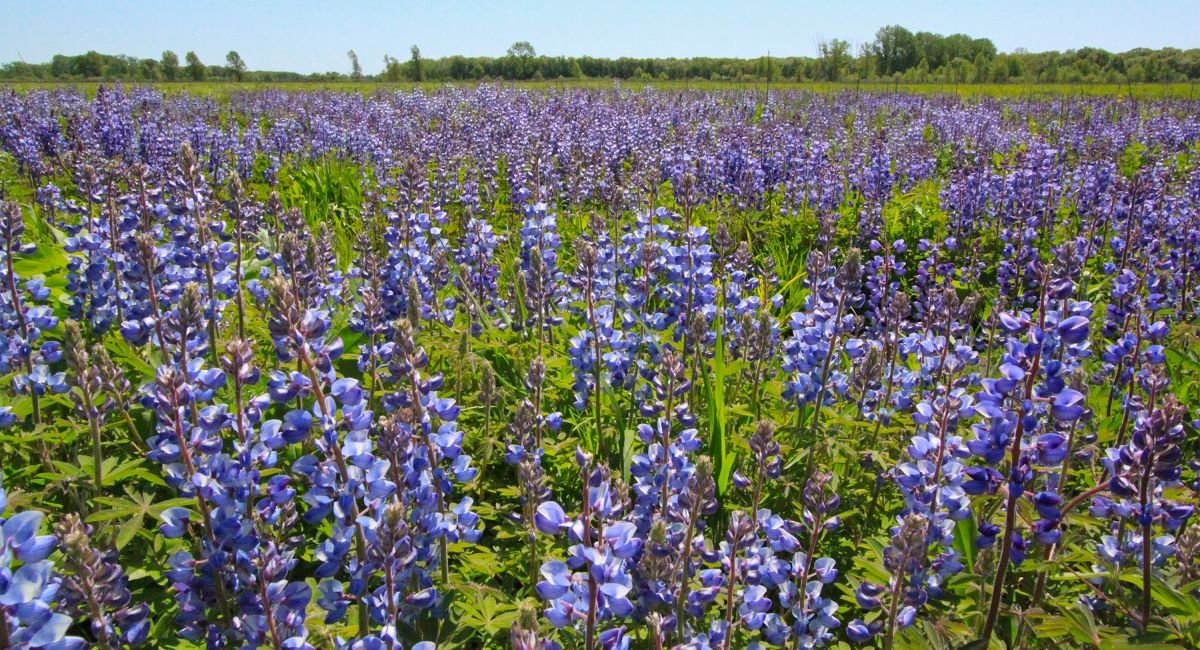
x=895, y=53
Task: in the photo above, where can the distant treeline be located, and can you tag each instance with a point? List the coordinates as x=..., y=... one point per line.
x=896, y=54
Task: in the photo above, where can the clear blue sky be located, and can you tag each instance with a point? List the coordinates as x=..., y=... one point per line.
x=312, y=35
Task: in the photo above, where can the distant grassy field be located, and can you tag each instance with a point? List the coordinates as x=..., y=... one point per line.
x=1137, y=91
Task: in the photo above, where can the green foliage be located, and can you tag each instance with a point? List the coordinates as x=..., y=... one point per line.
x=195, y=68
x=330, y=194
x=718, y=426
x=895, y=55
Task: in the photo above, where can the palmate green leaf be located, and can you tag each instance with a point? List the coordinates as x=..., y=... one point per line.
x=129, y=519
x=22, y=405
x=49, y=261
x=128, y=531
x=843, y=420
x=1184, y=370
x=486, y=613
x=500, y=354
x=125, y=355
x=869, y=561
x=117, y=505
x=1178, y=602
x=1081, y=625
x=135, y=504
x=479, y=562
x=128, y=470
x=1052, y=627
x=165, y=632
x=116, y=472
x=740, y=410
x=842, y=454
x=936, y=635
x=66, y=471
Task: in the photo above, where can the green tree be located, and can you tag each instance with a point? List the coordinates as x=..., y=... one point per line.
x=1136, y=72
x=237, y=67
x=460, y=67
x=355, y=68
x=60, y=66
x=90, y=65
x=998, y=71
x=981, y=68
x=768, y=69
x=895, y=49
x=391, y=68
x=148, y=69
x=170, y=65
x=521, y=56
x=920, y=74
x=834, y=58
x=960, y=70
x=117, y=67
x=416, y=65
x=865, y=65
x=195, y=68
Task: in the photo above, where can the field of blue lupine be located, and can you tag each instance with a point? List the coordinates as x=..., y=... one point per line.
x=598, y=369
